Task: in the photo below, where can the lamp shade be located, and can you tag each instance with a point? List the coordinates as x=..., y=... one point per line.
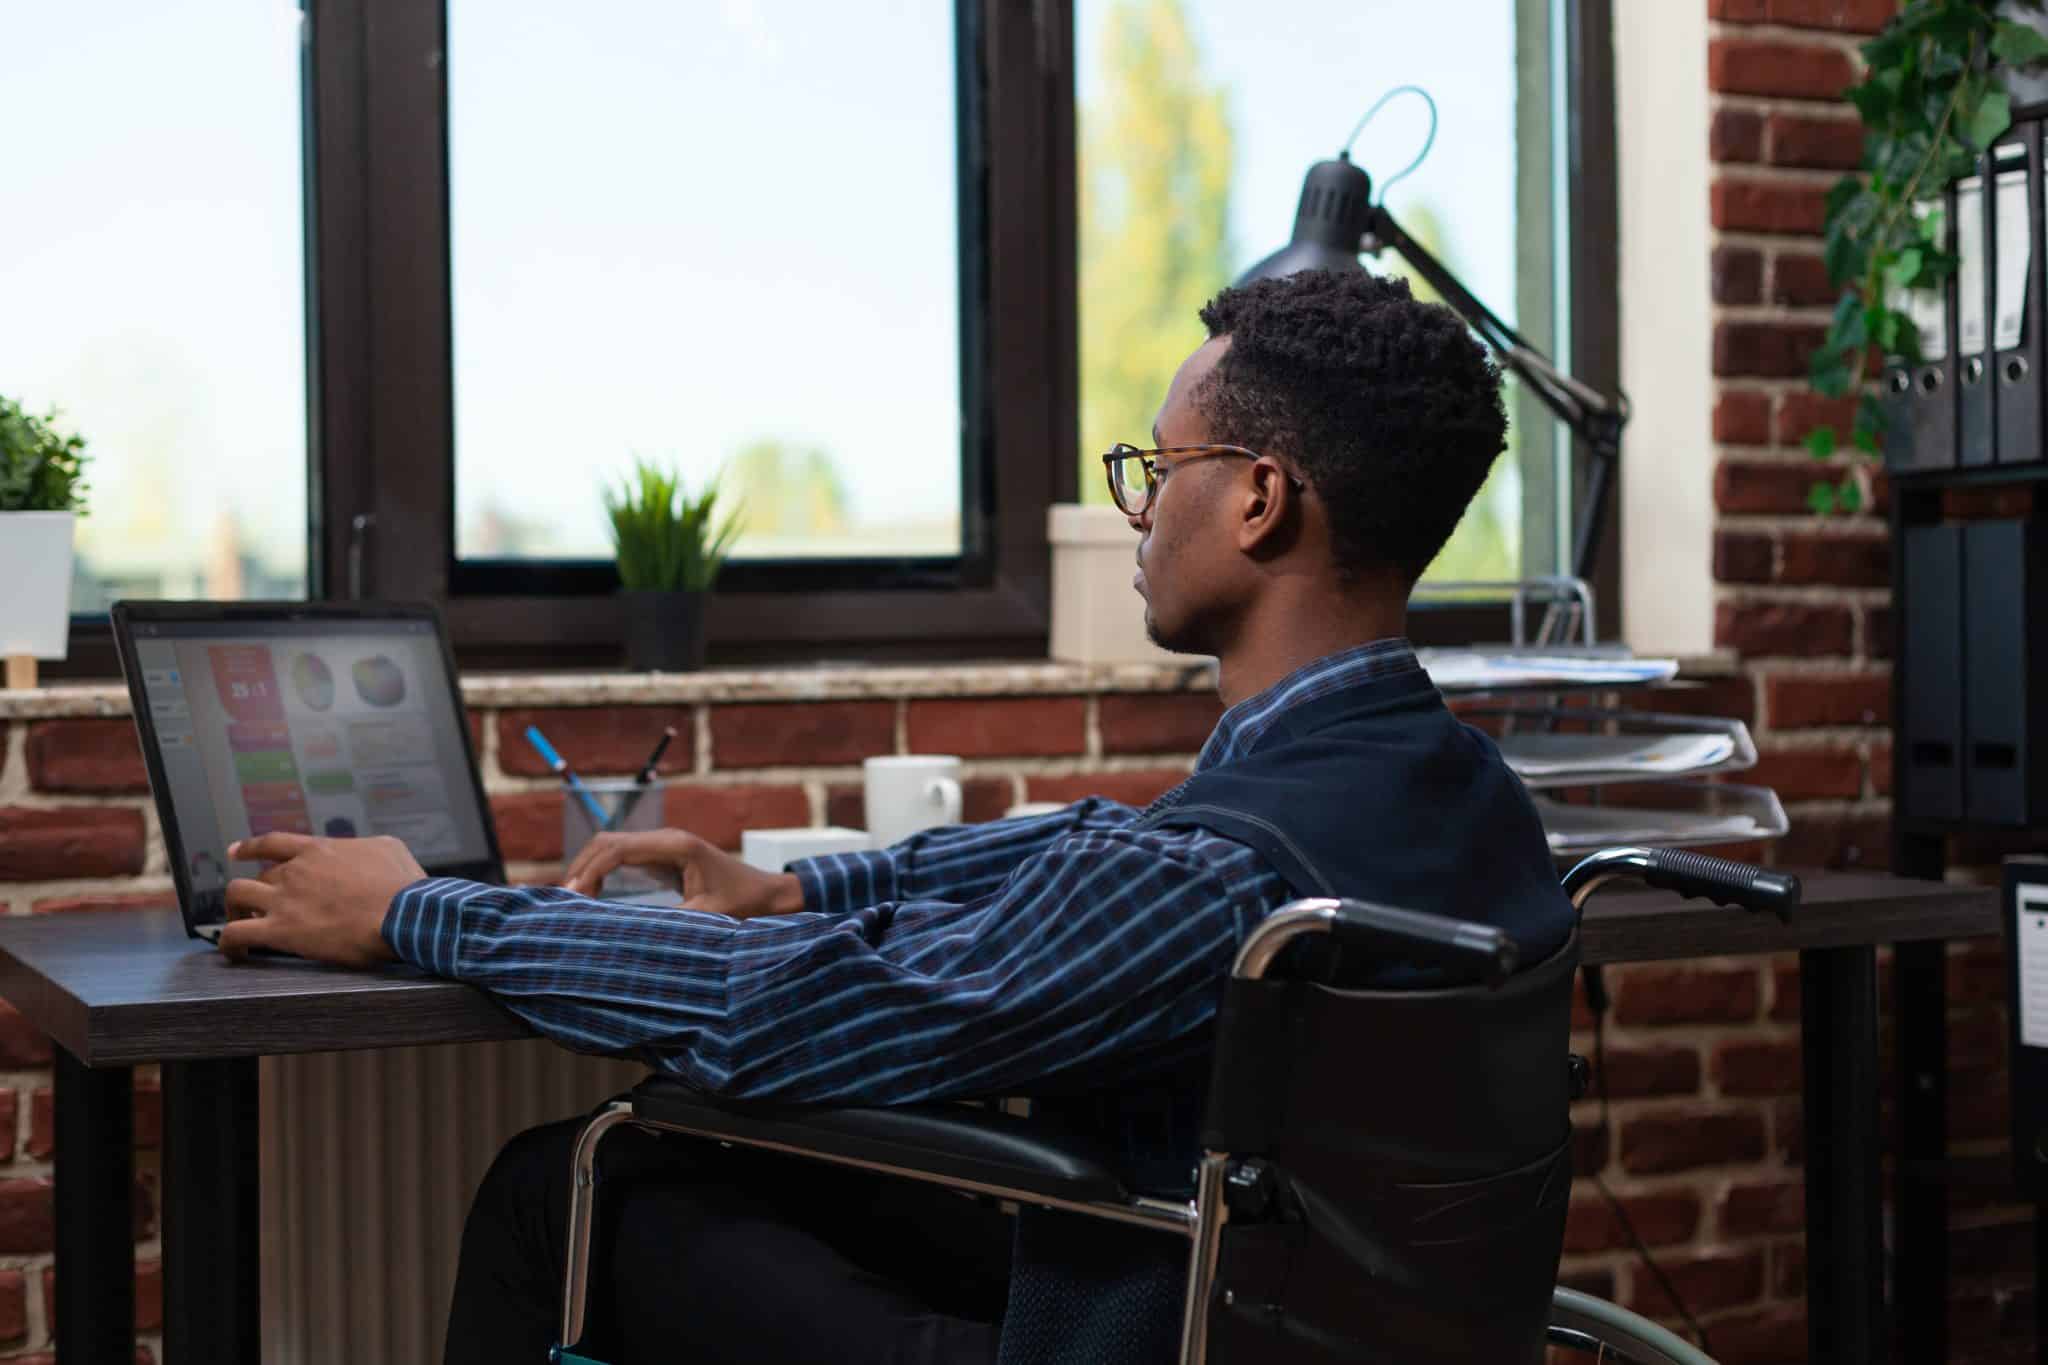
x=1334, y=213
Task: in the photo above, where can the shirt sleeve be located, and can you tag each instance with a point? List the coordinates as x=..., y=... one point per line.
x=954, y=862
x=1107, y=943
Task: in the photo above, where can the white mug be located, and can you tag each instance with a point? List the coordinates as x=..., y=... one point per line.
x=909, y=792
x=771, y=849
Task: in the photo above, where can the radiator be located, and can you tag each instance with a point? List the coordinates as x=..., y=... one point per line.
x=368, y=1161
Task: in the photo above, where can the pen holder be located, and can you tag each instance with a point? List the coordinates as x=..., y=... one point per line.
x=629, y=808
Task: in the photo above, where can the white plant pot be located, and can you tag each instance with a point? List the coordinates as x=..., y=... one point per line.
x=1097, y=616
x=35, y=583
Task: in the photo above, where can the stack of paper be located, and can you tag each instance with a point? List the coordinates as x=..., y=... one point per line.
x=1553, y=759
x=1466, y=670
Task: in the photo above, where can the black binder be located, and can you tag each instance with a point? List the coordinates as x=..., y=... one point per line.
x=1976, y=406
x=1919, y=400
x=1932, y=672
x=2005, y=706
x=2016, y=295
x=2026, y=975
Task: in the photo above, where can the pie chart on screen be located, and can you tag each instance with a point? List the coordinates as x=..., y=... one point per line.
x=379, y=682
x=313, y=681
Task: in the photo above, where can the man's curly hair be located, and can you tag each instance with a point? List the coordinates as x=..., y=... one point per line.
x=1388, y=407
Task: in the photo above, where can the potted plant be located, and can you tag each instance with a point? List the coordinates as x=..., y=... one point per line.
x=670, y=547
x=42, y=491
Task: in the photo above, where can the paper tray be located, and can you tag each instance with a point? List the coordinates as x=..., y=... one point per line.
x=1473, y=671
x=1624, y=746
x=1722, y=814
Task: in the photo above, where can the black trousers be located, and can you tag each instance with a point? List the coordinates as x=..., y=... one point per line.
x=710, y=1254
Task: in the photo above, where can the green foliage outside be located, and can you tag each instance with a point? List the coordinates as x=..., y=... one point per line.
x=1931, y=106
x=665, y=539
x=41, y=469
x=1158, y=158
x=783, y=491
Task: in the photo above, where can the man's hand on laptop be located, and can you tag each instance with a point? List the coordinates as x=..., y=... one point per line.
x=319, y=898
x=709, y=878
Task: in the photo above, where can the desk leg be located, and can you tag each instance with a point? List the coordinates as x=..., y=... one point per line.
x=94, y=1126
x=1844, y=1248
x=212, y=1260
x=1919, y=1181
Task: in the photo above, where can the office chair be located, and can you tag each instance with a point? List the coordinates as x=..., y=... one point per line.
x=1349, y=1204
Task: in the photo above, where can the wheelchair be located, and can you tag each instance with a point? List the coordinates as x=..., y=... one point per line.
x=1326, y=1223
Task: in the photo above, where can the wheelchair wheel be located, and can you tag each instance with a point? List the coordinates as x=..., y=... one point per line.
x=1603, y=1332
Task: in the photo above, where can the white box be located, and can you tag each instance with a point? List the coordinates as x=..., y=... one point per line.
x=1097, y=616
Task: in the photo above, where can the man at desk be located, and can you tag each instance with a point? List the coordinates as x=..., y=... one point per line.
x=1076, y=955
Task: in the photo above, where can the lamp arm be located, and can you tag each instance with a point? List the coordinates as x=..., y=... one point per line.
x=1592, y=416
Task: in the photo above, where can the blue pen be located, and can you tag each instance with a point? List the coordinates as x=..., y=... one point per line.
x=560, y=766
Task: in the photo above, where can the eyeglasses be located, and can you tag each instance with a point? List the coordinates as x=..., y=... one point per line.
x=1134, y=474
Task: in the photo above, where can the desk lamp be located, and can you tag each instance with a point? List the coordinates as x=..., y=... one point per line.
x=1337, y=219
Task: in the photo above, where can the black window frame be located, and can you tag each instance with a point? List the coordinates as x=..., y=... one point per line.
x=379, y=358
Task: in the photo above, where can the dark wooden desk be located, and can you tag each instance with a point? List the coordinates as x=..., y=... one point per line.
x=118, y=988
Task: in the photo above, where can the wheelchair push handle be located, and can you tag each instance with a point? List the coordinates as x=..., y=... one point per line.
x=1463, y=948
x=1719, y=880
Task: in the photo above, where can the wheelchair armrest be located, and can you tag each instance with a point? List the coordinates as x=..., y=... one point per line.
x=945, y=1143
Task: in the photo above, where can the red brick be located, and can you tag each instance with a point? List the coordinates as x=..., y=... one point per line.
x=981, y=798
x=475, y=721
x=42, y=1122
x=1835, y=841
x=718, y=814
x=1995, y=1248
x=1843, y=16
x=1807, y=774
x=1590, y=1145
x=1659, y=1219
x=1769, y=66
x=1880, y=769
x=1757, y=1066
x=148, y=1111
x=139, y=900
x=1762, y=1210
x=1765, y=350
x=597, y=740
x=27, y=1216
x=1979, y=1106
x=1836, y=560
x=1976, y=1041
x=1771, y=1336
x=149, y=1296
x=772, y=733
x=1682, y=1139
x=1877, y=632
x=1659, y=993
x=1986, y=504
x=1799, y=279
x=1794, y=701
x=1744, y=488
x=1799, y=412
x=1774, y=628
x=1742, y=557
x=1633, y=1072
x=10, y=1105
x=529, y=826
x=1767, y=206
x=1742, y=418
x=69, y=841
x=1705, y=1281
x=13, y=1305
x=1595, y=1280
x=1785, y=991
x=1737, y=11
x=1133, y=789
x=1736, y=135
x=1023, y=727
x=98, y=757
x=1830, y=144
x=1788, y=1269
x=1788, y=1127
x=1733, y=697
x=1165, y=723
x=1977, y=973
x=22, y=1044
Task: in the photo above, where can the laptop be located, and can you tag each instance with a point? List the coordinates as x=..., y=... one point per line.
x=333, y=719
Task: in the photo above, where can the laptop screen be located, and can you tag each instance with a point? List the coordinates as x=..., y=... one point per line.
x=324, y=726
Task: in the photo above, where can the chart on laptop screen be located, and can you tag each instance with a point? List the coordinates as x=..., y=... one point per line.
x=311, y=728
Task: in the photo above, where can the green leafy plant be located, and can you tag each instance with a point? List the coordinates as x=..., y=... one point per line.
x=666, y=540
x=1930, y=105
x=41, y=469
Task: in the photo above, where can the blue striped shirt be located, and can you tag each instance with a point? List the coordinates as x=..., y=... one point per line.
x=969, y=960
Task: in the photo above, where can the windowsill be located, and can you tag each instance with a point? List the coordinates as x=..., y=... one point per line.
x=823, y=682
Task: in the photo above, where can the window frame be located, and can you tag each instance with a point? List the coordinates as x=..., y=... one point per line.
x=379, y=359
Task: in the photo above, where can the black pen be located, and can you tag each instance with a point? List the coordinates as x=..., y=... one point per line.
x=643, y=779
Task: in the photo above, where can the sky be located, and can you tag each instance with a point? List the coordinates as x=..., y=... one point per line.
x=677, y=226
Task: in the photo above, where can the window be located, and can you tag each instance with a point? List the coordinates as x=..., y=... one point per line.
x=152, y=264
x=723, y=236
x=1197, y=121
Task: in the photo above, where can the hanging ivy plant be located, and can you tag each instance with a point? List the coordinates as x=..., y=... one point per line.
x=1931, y=105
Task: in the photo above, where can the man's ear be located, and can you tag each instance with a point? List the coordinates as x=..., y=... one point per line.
x=1269, y=518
